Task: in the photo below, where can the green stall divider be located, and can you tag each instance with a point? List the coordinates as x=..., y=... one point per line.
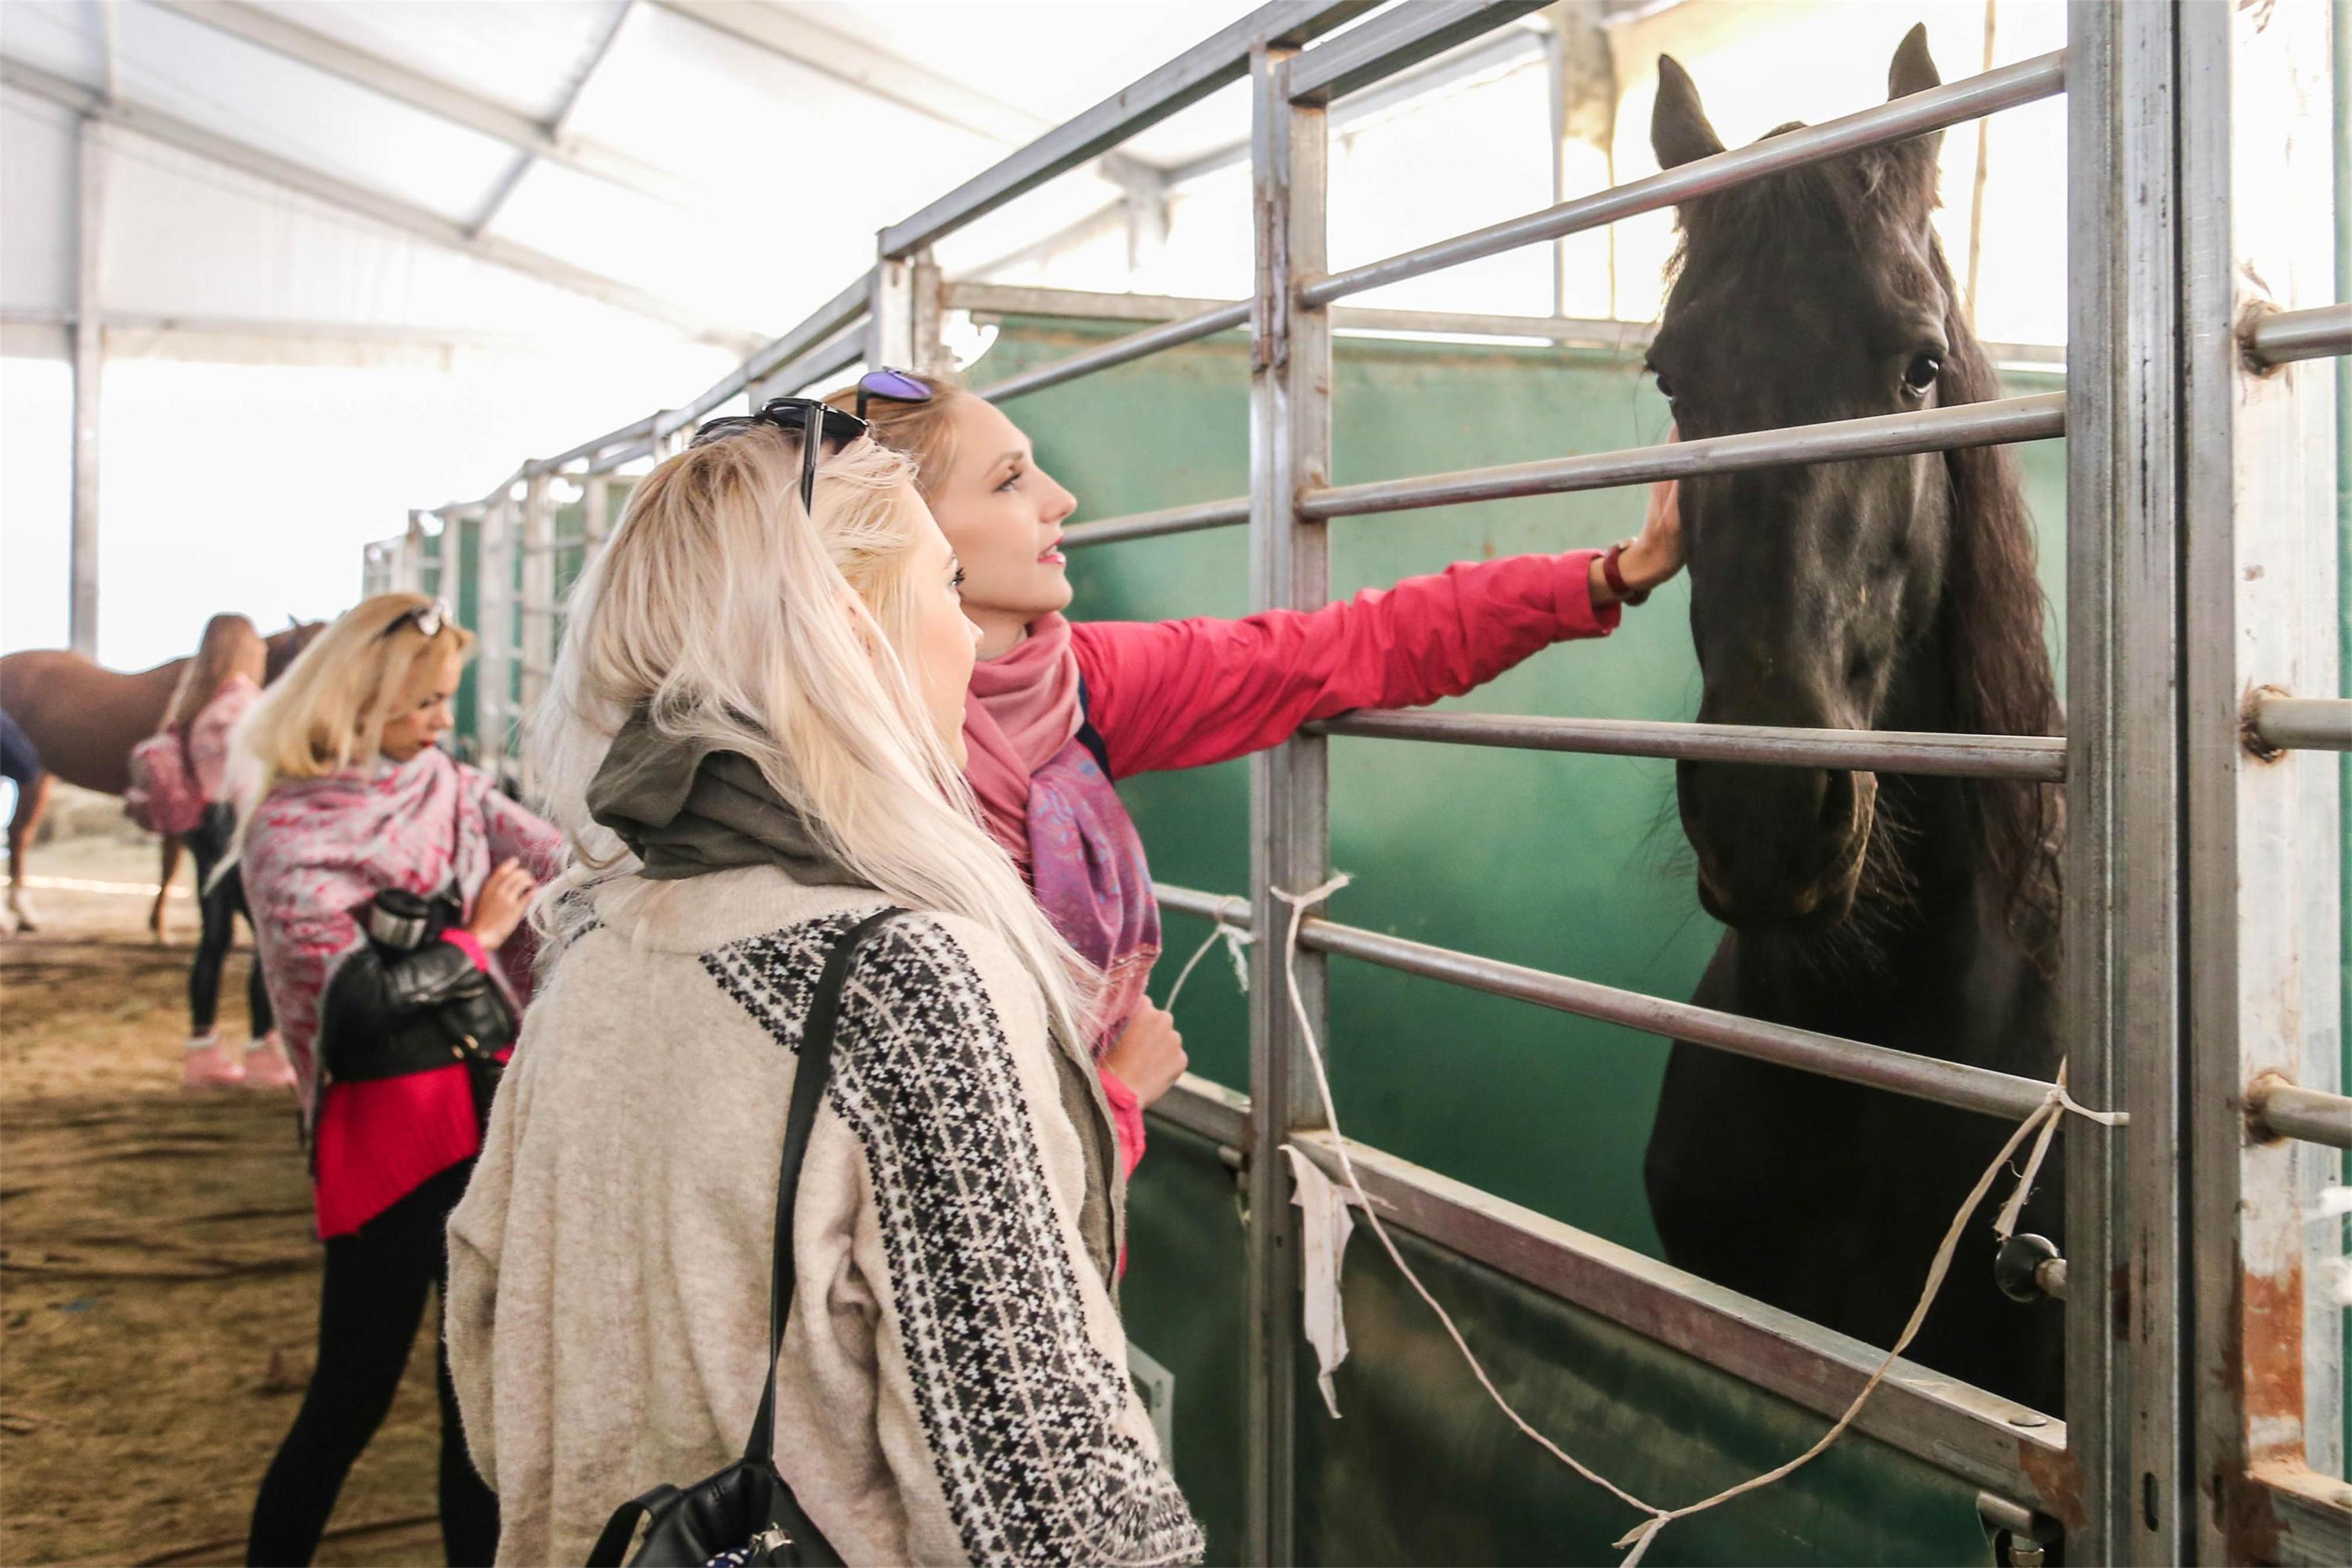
x=1565, y=863
x=1572, y=863
x=1186, y=1300
x=1420, y=1467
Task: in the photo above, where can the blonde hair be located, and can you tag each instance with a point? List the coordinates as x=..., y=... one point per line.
x=230, y=646
x=923, y=430
x=736, y=621
x=328, y=711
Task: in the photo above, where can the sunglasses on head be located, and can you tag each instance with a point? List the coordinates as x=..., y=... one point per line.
x=797, y=414
x=429, y=619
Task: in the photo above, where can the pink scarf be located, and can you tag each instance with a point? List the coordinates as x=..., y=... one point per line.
x=1021, y=710
x=1047, y=801
x=320, y=848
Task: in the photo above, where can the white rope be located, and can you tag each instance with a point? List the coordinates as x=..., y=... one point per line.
x=1235, y=939
x=2044, y=1119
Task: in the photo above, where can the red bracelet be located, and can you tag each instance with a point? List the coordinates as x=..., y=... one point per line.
x=1616, y=578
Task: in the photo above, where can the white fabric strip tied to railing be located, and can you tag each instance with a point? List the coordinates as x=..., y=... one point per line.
x=2043, y=1122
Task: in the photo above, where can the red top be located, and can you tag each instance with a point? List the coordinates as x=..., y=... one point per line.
x=378, y=1139
x=1185, y=693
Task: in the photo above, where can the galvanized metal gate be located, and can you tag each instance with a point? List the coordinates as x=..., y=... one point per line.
x=2204, y=1373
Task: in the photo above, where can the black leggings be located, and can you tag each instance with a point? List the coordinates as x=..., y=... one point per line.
x=218, y=908
x=369, y=1308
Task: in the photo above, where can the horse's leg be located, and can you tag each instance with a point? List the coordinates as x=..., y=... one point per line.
x=156, y=921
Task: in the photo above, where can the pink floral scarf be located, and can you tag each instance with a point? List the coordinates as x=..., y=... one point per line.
x=318, y=848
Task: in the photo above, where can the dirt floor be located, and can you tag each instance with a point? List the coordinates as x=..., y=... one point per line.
x=158, y=1278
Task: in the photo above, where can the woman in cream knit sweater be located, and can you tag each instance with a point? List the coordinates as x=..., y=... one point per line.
x=753, y=742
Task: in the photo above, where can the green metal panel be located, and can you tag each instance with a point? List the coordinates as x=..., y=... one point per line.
x=1421, y=1468
x=1569, y=863
x=1185, y=1296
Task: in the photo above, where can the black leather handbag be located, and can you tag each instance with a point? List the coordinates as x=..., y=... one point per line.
x=409, y=1002
x=746, y=1515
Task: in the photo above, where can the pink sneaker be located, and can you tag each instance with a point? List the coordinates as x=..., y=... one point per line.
x=266, y=1066
x=210, y=1066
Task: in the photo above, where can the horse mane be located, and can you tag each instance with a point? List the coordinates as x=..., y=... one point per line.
x=2001, y=681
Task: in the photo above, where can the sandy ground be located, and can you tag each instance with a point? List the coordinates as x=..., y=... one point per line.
x=158, y=1278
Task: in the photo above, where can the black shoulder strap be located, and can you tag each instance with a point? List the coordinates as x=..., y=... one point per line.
x=808, y=1092
x=1088, y=736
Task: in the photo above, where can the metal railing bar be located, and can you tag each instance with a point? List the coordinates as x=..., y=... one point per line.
x=2303, y=724
x=2038, y=759
x=844, y=349
x=620, y=456
x=1210, y=1109
x=1956, y=1427
x=1223, y=908
x=1396, y=42
x=1916, y=115
x=2278, y=1109
x=1569, y=332
x=1121, y=351
x=2037, y=418
x=637, y=431
x=2318, y=333
x=1924, y=1078
x=1150, y=524
x=1221, y=59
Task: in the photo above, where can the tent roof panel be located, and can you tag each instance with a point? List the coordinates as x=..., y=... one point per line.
x=39, y=167
x=525, y=57
x=267, y=101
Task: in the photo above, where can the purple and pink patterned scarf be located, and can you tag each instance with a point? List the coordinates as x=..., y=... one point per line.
x=1048, y=802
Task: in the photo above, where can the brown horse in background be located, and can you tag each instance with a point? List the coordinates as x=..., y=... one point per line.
x=84, y=720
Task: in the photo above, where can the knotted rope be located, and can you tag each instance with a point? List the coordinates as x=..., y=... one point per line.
x=2043, y=1120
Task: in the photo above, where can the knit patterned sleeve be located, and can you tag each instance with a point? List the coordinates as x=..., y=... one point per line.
x=1004, y=1403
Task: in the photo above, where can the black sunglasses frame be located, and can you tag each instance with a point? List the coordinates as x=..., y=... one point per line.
x=792, y=413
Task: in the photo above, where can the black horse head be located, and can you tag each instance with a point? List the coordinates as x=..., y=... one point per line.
x=1890, y=594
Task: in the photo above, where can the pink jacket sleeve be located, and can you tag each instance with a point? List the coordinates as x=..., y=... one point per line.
x=1185, y=693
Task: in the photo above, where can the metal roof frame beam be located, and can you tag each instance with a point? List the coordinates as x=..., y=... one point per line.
x=1216, y=61
x=791, y=35
x=390, y=211
x=442, y=99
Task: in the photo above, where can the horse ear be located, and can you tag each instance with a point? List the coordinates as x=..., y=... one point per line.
x=1678, y=129
x=1914, y=69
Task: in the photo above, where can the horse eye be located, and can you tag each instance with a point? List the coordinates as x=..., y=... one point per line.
x=1921, y=372
x=1666, y=387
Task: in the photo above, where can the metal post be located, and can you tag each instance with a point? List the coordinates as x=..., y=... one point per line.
x=1290, y=451
x=494, y=702
x=2263, y=899
x=537, y=620
x=595, y=520
x=2123, y=998
x=903, y=314
x=88, y=366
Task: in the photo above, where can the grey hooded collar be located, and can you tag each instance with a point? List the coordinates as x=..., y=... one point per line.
x=687, y=810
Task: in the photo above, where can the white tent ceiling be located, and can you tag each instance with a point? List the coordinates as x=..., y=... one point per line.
x=716, y=165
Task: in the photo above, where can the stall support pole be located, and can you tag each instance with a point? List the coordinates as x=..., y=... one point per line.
x=537, y=643
x=2125, y=1395
x=494, y=705
x=903, y=314
x=1290, y=446
x=2264, y=897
